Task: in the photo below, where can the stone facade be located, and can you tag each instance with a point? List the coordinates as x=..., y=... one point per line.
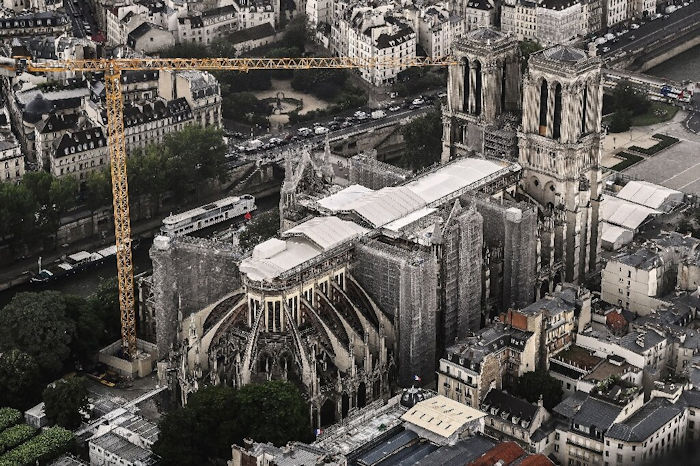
x=560, y=151
x=483, y=87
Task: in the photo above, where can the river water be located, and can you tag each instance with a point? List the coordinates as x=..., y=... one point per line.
x=85, y=282
x=685, y=66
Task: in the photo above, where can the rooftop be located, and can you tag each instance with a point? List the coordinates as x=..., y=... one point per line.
x=509, y=407
x=441, y=415
x=651, y=195
x=597, y=413
x=646, y=421
x=255, y=33
x=122, y=448
x=579, y=357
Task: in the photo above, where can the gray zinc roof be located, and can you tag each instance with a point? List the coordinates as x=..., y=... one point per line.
x=596, y=413
x=645, y=422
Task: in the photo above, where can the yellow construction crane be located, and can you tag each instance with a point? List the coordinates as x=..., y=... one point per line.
x=112, y=69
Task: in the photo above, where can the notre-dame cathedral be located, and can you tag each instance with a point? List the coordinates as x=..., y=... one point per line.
x=557, y=141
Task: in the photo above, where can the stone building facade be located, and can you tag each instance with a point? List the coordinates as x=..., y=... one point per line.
x=482, y=89
x=559, y=150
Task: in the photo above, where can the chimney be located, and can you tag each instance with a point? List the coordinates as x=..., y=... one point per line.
x=540, y=401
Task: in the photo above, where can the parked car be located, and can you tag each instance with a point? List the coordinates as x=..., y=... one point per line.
x=321, y=130
x=632, y=37
x=417, y=102
x=634, y=26
x=377, y=114
x=304, y=132
x=395, y=108
x=606, y=49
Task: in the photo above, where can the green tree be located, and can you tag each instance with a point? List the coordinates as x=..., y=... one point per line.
x=620, y=122
x=626, y=97
x=89, y=328
x=217, y=417
x=104, y=303
x=63, y=401
x=186, y=50
x=296, y=33
x=527, y=48
x=423, y=138
x=277, y=401
x=201, y=431
x=20, y=381
x=17, y=208
x=241, y=106
x=37, y=324
x=98, y=189
x=262, y=227
x=531, y=385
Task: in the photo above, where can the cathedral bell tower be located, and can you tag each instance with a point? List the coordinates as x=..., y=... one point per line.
x=481, y=88
x=559, y=150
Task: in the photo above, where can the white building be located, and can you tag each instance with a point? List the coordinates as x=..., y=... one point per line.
x=614, y=12
x=520, y=18
x=207, y=26
x=149, y=38
x=437, y=29
x=477, y=13
x=11, y=157
x=380, y=36
x=200, y=89
x=251, y=13
x=80, y=152
x=318, y=11
x=559, y=21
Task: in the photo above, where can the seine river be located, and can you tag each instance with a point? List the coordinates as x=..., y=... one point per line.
x=85, y=283
x=685, y=66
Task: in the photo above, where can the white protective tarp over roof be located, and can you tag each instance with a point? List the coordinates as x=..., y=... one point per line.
x=387, y=204
x=80, y=256
x=300, y=244
x=651, y=195
x=614, y=237
x=340, y=200
x=453, y=177
x=326, y=232
x=406, y=220
x=624, y=213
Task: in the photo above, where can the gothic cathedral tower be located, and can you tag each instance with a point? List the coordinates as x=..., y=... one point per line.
x=481, y=89
x=559, y=150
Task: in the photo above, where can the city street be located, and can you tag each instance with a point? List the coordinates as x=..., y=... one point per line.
x=80, y=14
x=651, y=31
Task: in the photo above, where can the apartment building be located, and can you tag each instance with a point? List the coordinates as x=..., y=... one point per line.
x=200, y=90
x=559, y=21
x=519, y=17
x=207, y=26
x=80, y=152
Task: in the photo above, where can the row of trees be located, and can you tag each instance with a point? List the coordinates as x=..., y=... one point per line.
x=44, y=334
x=181, y=166
x=30, y=211
x=626, y=102
x=216, y=417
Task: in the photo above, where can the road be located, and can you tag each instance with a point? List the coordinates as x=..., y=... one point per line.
x=276, y=153
x=79, y=11
x=651, y=31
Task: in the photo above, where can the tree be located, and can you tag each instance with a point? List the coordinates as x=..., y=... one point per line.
x=98, y=189
x=89, y=328
x=216, y=417
x=204, y=429
x=296, y=33
x=186, y=50
x=621, y=121
x=36, y=324
x=17, y=208
x=104, y=303
x=240, y=106
x=527, y=48
x=63, y=401
x=423, y=138
x=531, y=385
x=262, y=227
x=625, y=96
x=20, y=382
x=276, y=400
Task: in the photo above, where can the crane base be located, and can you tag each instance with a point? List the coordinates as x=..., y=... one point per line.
x=141, y=366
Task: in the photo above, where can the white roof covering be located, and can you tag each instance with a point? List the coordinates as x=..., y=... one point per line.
x=453, y=177
x=80, y=256
x=404, y=221
x=108, y=251
x=326, y=232
x=441, y=415
x=624, y=213
x=616, y=236
x=650, y=195
x=300, y=244
x=341, y=199
x=389, y=204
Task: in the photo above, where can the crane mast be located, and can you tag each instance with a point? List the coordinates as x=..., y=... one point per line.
x=112, y=69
